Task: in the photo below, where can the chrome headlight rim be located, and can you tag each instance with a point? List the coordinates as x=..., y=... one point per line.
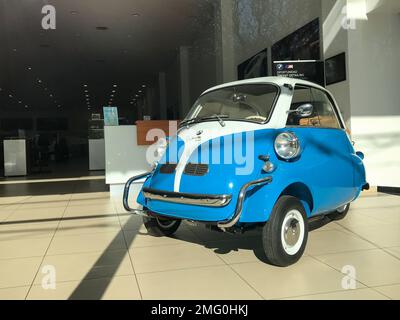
x=294, y=142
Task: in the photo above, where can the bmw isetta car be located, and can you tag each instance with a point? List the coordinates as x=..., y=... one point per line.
x=269, y=152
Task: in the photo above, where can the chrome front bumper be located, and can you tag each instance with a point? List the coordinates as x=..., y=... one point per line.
x=188, y=198
x=194, y=199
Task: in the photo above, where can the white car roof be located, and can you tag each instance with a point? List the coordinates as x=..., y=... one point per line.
x=280, y=81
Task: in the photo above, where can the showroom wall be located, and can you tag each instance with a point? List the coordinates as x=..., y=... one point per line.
x=259, y=24
x=375, y=94
x=335, y=41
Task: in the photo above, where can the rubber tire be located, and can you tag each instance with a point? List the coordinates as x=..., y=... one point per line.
x=337, y=216
x=156, y=229
x=271, y=234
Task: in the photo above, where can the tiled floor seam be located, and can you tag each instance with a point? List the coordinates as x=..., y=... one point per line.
x=240, y=277
x=18, y=203
x=89, y=279
x=47, y=249
x=128, y=253
x=370, y=242
x=327, y=292
x=333, y=268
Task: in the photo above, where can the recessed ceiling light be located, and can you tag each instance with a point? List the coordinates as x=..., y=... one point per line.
x=10, y=95
x=115, y=85
x=26, y=106
x=135, y=14
x=29, y=68
x=73, y=12
x=143, y=86
x=19, y=101
x=140, y=91
x=113, y=91
x=38, y=80
x=137, y=96
x=85, y=85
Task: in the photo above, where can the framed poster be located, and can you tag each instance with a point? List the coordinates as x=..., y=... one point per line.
x=255, y=67
x=309, y=70
x=303, y=44
x=335, y=69
x=110, y=116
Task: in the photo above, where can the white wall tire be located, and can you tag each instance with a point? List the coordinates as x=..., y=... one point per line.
x=292, y=232
x=286, y=232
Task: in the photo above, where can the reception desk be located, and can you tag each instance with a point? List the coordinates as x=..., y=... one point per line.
x=124, y=159
x=125, y=153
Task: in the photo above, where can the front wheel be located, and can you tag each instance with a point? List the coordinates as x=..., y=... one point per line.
x=161, y=227
x=285, y=234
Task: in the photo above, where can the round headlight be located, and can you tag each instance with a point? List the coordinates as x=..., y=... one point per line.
x=287, y=146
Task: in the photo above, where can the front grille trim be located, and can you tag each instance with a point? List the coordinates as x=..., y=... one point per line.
x=196, y=169
x=168, y=168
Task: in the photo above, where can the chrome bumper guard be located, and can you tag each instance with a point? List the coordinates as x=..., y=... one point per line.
x=126, y=194
x=239, y=205
x=188, y=198
x=195, y=199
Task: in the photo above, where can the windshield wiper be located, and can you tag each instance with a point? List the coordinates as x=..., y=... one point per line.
x=219, y=117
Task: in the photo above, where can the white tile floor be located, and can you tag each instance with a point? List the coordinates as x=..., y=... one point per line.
x=100, y=252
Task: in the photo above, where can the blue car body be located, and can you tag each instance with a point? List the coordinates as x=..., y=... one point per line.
x=326, y=175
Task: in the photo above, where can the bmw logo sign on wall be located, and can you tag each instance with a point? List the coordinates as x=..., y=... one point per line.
x=279, y=67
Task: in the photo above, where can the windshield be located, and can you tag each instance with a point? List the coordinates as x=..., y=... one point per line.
x=252, y=102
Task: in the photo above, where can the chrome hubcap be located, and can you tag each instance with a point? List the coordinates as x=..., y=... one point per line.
x=292, y=232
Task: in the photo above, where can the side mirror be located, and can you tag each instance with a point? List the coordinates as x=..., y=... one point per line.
x=305, y=110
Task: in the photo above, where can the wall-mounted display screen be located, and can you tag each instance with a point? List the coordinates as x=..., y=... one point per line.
x=335, y=69
x=255, y=67
x=306, y=70
x=303, y=44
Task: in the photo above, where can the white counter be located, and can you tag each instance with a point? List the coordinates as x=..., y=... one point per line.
x=14, y=157
x=96, y=154
x=124, y=159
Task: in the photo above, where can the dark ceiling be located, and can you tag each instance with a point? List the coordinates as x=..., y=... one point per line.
x=49, y=68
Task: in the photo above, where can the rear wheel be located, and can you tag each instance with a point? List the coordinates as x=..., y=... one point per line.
x=340, y=213
x=161, y=227
x=285, y=234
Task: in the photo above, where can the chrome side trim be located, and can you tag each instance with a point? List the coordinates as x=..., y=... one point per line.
x=188, y=198
x=239, y=205
x=126, y=193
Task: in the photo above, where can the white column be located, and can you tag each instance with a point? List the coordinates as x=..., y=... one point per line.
x=224, y=37
x=163, y=94
x=184, y=81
